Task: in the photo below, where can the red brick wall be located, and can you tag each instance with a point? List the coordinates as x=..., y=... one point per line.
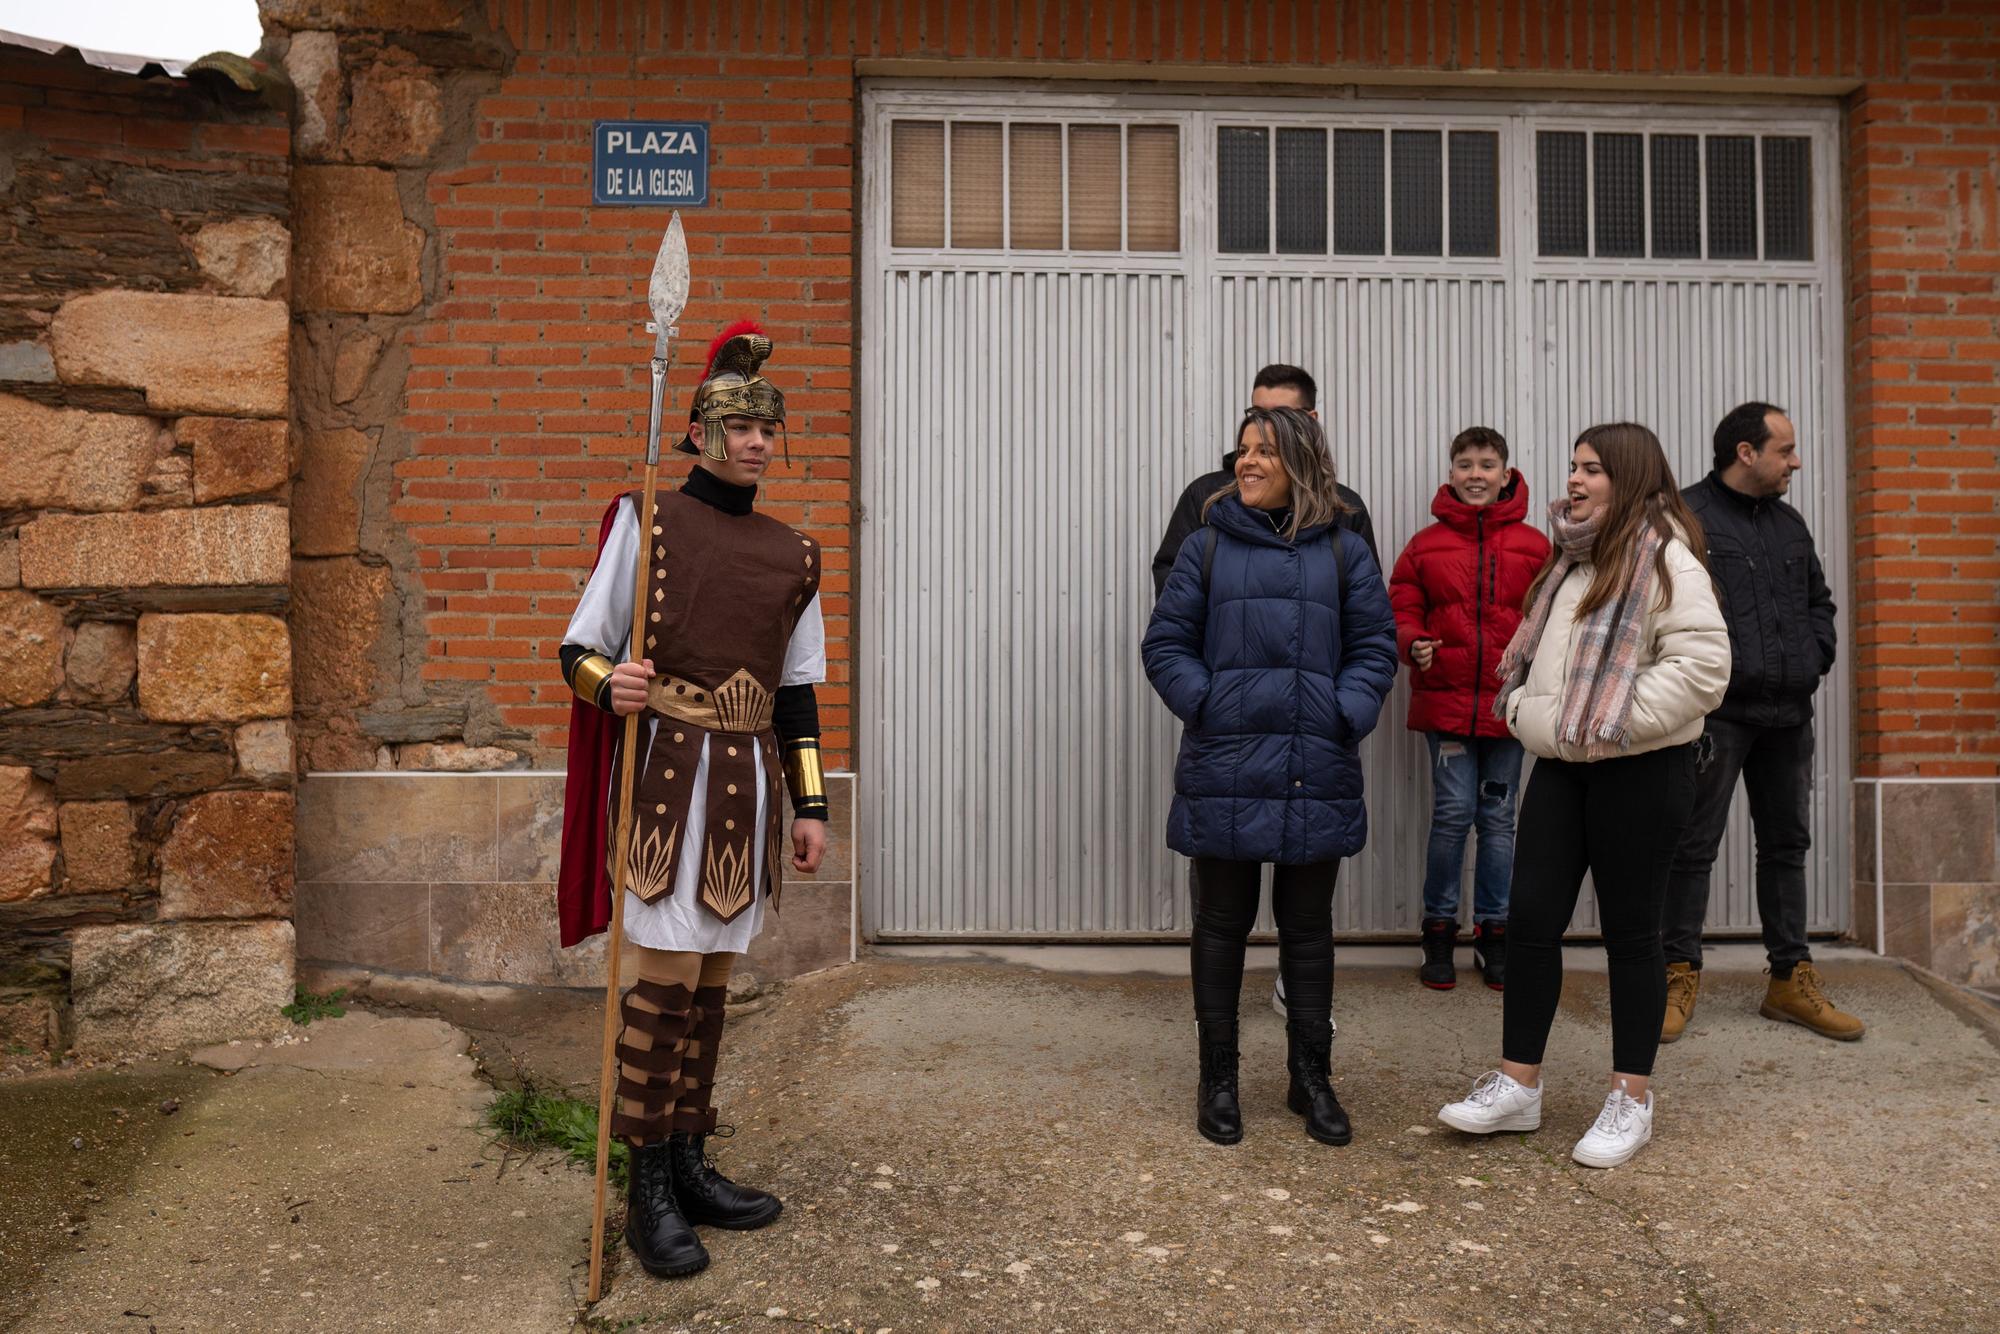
x=527, y=393
x=1924, y=251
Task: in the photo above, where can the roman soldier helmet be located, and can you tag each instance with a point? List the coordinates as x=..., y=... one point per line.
x=732, y=387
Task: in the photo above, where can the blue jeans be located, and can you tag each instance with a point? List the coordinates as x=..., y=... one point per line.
x=1474, y=783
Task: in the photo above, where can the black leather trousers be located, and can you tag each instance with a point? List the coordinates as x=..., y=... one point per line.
x=1225, y=908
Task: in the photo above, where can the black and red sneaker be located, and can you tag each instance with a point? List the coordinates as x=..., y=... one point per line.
x=1489, y=953
x=1438, y=972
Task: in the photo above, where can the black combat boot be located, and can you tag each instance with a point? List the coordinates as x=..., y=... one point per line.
x=711, y=1199
x=655, y=1229
x=1216, y=1114
x=1310, y=1095
x=1438, y=972
x=1489, y=951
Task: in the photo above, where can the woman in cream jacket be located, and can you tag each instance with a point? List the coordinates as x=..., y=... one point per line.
x=1621, y=653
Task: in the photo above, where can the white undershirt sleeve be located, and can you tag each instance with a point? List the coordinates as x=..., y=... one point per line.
x=805, y=654
x=603, y=617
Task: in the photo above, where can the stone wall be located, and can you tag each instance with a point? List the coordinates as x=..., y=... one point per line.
x=385, y=105
x=146, y=680
x=453, y=876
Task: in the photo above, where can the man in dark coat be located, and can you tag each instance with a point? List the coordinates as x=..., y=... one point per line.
x=1781, y=642
x=1276, y=386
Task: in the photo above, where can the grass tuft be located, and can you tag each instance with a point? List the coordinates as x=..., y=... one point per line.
x=531, y=1117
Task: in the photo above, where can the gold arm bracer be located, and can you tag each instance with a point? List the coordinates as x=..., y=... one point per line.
x=589, y=677
x=804, y=778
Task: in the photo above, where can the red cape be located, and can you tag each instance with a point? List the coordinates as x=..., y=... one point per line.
x=583, y=888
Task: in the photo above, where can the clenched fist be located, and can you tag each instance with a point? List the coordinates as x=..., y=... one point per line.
x=628, y=686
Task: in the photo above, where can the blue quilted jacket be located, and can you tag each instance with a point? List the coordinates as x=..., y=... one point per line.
x=1277, y=688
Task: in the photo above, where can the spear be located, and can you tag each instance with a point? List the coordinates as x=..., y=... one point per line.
x=666, y=297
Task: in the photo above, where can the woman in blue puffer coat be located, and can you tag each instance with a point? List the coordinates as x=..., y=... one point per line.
x=1274, y=643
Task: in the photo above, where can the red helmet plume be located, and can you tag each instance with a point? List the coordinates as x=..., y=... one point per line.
x=722, y=339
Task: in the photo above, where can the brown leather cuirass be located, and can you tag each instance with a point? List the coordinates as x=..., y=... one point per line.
x=723, y=593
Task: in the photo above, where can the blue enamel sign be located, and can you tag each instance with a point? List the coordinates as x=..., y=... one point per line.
x=651, y=162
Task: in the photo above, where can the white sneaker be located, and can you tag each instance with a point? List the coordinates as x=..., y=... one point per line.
x=1622, y=1129
x=1278, y=1004
x=1497, y=1102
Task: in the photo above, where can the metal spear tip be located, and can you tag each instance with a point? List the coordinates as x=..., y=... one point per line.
x=667, y=292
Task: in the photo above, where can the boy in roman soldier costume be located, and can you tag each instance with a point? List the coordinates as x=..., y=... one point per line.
x=733, y=647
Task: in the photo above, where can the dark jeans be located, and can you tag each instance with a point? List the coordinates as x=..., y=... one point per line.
x=1776, y=764
x=1620, y=820
x=1225, y=908
x=1473, y=783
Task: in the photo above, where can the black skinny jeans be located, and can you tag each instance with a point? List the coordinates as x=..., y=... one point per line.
x=1225, y=908
x=1621, y=820
x=1776, y=764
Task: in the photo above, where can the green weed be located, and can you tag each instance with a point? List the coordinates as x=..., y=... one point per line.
x=307, y=1006
x=533, y=1118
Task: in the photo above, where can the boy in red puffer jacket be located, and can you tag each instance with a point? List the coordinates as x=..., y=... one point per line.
x=1457, y=592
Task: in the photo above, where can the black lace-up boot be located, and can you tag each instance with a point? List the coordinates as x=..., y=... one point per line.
x=1489, y=953
x=1310, y=1095
x=711, y=1199
x=655, y=1228
x=1438, y=971
x=1217, y=1115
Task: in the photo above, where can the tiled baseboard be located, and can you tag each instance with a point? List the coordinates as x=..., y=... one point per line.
x=453, y=876
x=1936, y=874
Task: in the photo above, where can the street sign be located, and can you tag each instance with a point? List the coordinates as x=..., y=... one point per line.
x=655, y=163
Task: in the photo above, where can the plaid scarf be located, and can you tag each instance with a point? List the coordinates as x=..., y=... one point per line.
x=1597, y=697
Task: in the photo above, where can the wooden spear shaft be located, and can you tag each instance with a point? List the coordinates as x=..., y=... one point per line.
x=622, y=844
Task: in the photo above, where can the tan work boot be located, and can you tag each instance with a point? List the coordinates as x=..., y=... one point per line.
x=1683, y=985
x=1799, y=1000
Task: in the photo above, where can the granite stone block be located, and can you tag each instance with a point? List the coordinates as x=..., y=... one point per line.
x=531, y=813
x=398, y=828
x=1940, y=833
x=374, y=925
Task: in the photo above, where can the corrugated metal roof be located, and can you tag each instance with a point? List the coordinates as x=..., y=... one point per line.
x=121, y=61
x=129, y=35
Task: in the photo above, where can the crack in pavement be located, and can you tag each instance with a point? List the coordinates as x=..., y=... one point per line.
x=1579, y=1178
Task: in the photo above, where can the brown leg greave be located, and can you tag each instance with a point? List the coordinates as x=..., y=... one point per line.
x=694, y=1115
x=652, y=1049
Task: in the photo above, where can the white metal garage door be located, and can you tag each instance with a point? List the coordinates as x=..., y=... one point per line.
x=1065, y=299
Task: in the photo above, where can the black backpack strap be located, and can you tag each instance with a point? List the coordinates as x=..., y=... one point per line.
x=1207, y=558
x=1334, y=533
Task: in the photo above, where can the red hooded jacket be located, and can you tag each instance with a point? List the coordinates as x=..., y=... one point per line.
x=1461, y=581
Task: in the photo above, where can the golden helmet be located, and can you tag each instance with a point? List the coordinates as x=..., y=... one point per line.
x=731, y=386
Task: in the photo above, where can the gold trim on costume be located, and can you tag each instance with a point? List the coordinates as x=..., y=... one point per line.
x=649, y=869
x=725, y=878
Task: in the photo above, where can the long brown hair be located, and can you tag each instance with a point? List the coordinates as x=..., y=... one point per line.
x=1643, y=491
x=1300, y=445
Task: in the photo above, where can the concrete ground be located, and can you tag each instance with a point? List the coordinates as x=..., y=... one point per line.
x=1003, y=1139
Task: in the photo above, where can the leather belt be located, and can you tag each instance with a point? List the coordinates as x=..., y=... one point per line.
x=738, y=705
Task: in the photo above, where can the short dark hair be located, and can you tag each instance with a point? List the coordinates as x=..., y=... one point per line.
x=1479, y=437
x=1280, y=376
x=1745, y=425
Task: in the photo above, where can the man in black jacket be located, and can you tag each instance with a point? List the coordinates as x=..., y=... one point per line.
x=1276, y=386
x=1781, y=642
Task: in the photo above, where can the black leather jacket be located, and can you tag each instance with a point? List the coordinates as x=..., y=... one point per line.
x=1774, y=597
